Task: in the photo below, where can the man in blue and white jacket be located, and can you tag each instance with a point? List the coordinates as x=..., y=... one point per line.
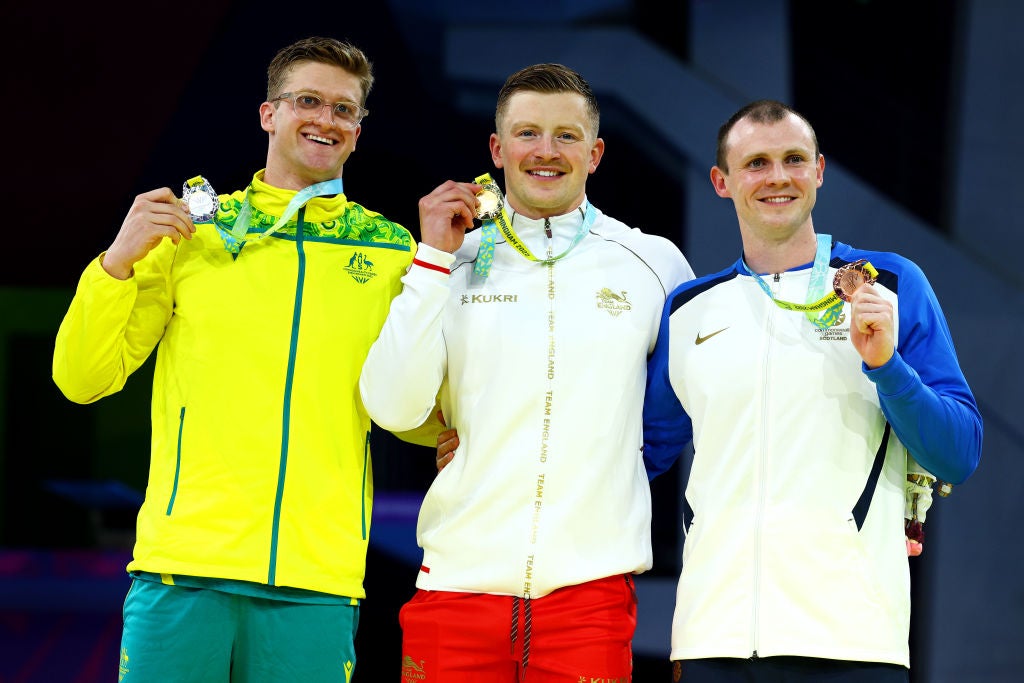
x=802, y=399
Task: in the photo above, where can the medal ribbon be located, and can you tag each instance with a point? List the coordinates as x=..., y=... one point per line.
x=241, y=227
x=830, y=303
x=505, y=225
x=588, y=219
x=488, y=230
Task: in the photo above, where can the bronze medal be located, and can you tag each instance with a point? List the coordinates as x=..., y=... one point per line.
x=849, y=277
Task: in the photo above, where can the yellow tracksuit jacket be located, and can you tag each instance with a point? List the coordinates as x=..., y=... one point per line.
x=260, y=464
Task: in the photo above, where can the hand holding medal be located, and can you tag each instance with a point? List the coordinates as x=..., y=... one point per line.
x=153, y=217
x=850, y=277
x=872, y=316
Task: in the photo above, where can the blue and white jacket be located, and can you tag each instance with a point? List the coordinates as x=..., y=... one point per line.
x=795, y=539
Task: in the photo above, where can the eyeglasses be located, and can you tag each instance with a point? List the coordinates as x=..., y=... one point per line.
x=307, y=106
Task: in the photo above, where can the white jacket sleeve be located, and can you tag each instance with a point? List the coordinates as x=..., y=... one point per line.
x=404, y=369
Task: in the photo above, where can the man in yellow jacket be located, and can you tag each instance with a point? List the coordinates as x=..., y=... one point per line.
x=261, y=304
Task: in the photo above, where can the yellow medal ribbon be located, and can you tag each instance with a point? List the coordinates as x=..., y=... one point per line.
x=844, y=283
x=488, y=236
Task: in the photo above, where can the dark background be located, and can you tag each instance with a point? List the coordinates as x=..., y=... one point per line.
x=108, y=100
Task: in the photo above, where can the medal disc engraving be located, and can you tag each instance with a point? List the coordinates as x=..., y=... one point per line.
x=490, y=203
x=848, y=278
x=201, y=199
x=200, y=204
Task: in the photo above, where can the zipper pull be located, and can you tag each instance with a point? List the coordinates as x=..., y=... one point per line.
x=547, y=227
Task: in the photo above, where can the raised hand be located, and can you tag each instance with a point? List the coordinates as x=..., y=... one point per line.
x=447, y=213
x=871, y=326
x=153, y=216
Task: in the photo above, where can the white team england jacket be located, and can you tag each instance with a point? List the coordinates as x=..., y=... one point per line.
x=541, y=369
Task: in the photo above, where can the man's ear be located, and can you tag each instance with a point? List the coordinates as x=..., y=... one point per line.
x=495, y=144
x=268, y=112
x=718, y=181
x=596, y=152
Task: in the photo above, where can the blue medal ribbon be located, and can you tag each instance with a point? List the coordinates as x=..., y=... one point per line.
x=238, y=233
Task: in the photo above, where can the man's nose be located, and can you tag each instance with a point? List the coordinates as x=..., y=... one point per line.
x=777, y=173
x=330, y=114
x=547, y=147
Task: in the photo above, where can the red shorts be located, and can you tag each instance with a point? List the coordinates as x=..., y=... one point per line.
x=577, y=633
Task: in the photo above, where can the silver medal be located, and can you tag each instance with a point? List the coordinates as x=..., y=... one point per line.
x=200, y=198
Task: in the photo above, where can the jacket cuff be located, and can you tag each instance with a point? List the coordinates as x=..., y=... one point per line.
x=433, y=259
x=893, y=378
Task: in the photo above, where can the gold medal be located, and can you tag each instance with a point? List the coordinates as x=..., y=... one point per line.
x=851, y=276
x=490, y=202
x=200, y=198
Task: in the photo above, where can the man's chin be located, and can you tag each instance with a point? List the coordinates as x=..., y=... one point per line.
x=314, y=175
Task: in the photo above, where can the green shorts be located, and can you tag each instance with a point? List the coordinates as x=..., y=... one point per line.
x=185, y=634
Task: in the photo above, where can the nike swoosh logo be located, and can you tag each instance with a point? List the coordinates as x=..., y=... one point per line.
x=701, y=340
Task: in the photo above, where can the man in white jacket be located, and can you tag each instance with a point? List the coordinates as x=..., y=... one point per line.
x=803, y=372
x=532, y=336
